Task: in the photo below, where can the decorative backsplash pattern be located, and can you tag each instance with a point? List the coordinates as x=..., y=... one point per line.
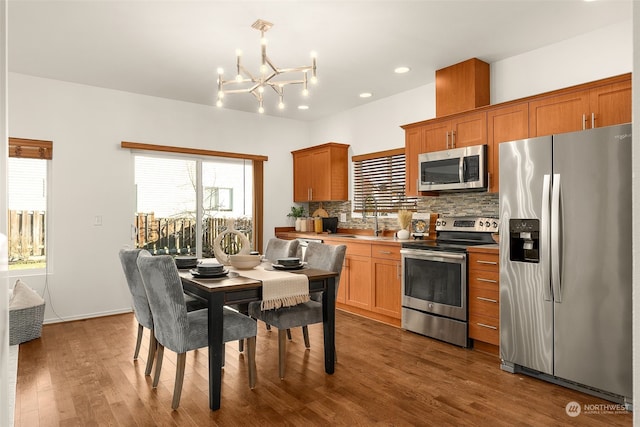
x=445, y=205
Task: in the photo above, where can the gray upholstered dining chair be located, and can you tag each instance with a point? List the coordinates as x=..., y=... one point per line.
x=182, y=331
x=318, y=255
x=128, y=259
x=280, y=248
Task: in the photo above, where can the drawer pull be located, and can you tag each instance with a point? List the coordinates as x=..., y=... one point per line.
x=480, y=279
x=487, y=299
x=385, y=252
x=487, y=326
x=486, y=262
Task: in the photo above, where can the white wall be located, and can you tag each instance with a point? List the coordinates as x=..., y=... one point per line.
x=93, y=176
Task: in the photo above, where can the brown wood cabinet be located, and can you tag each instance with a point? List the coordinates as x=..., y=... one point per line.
x=581, y=109
x=484, y=298
x=386, y=280
x=321, y=173
x=462, y=87
x=503, y=124
x=370, y=283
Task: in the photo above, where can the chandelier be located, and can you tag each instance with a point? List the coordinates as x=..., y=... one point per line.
x=256, y=85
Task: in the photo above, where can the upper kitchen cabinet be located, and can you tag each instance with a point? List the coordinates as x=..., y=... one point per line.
x=603, y=103
x=462, y=87
x=503, y=124
x=414, y=144
x=321, y=173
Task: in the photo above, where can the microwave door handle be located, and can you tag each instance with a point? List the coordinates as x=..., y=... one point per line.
x=461, y=170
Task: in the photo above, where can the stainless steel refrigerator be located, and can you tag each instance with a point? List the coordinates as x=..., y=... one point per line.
x=565, y=259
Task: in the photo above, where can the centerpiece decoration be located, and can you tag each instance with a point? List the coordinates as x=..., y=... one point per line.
x=404, y=221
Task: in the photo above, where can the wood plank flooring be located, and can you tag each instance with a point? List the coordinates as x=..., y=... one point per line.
x=82, y=374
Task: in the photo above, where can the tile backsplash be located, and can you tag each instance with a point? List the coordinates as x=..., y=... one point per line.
x=445, y=205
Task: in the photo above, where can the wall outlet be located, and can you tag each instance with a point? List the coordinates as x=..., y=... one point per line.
x=343, y=217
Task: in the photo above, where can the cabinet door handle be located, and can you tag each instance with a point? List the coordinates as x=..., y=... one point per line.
x=584, y=121
x=480, y=261
x=447, y=139
x=488, y=181
x=487, y=300
x=398, y=269
x=453, y=139
x=487, y=326
x=593, y=120
x=480, y=279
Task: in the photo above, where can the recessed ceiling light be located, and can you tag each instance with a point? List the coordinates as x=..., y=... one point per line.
x=303, y=107
x=366, y=95
x=402, y=70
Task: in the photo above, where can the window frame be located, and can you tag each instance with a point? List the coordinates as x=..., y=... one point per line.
x=26, y=148
x=201, y=154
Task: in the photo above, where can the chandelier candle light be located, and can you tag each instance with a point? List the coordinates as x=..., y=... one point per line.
x=256, y=85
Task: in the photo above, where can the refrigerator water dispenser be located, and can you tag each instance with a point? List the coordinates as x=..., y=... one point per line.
x=524, y=240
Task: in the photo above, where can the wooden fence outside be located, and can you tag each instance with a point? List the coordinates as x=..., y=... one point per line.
x=177, y=236
x=27, y=231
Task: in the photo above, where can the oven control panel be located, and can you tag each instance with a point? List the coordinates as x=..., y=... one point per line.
x=468, y=224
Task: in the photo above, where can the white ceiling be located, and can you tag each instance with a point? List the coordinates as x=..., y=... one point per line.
x=171, y=49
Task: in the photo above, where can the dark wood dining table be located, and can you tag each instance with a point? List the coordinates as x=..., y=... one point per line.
x=241, y=290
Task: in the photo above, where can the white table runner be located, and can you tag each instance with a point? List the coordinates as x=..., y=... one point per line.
x=279, y=288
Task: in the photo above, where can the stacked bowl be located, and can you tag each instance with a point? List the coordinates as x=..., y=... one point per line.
x=209, y=270
x=184, y=261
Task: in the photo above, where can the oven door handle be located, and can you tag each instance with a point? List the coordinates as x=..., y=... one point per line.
x=432, y=255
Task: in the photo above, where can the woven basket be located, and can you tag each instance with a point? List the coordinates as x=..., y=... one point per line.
x=25, y=324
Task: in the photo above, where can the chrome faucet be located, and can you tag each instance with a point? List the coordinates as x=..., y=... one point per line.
x=376, y=231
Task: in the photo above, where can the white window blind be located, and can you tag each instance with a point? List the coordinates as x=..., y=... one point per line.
x=381, y=177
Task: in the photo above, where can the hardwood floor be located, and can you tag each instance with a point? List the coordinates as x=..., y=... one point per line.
x=82, y=374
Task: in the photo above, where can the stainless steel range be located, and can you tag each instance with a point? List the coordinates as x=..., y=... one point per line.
x=434, y=283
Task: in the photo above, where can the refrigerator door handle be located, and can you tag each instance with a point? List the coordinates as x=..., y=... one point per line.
x=555, y=239
x=544, y=241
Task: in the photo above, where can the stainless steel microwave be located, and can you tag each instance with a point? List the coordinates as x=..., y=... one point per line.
x=457, y=169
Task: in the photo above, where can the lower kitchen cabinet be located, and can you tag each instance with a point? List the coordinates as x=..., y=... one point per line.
x=386, y=272
x=370, y=283
x=484, y=299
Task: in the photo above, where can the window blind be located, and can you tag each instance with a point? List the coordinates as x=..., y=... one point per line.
x=381, y=177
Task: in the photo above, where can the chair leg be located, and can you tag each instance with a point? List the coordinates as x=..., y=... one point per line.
x=305, y=335
x=282, y=350
x=152, y=352
x=138, y=341
x=289, y=334
x=241, y=346
x=251, y=353
x=177, y=388
x=156, y=376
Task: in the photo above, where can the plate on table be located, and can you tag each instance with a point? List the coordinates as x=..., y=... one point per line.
x=288, y=267
x=195, y=273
